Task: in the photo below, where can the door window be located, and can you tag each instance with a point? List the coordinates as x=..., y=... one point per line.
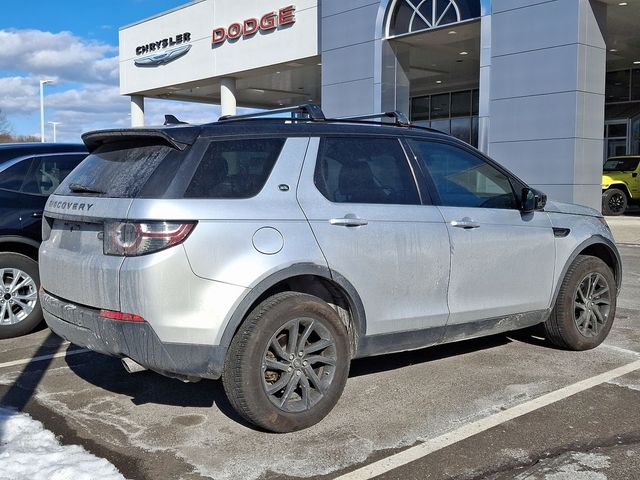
x=462, y=179
x=13, y=177
x=365, y=170
x=48, y=172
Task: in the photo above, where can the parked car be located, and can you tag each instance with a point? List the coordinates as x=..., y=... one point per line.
x=620, y=184
x=29, y=173
x=271, y=252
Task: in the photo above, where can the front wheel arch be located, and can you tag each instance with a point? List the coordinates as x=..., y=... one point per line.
x=596, y=246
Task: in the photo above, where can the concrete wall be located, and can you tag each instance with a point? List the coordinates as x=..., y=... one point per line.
x=348, y=45
x=548, y=62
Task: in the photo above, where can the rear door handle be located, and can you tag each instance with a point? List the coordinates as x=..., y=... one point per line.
x=349, y=221
x=465, y=223
x=36, y=214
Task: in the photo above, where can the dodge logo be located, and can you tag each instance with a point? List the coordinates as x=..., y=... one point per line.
x=269, y=21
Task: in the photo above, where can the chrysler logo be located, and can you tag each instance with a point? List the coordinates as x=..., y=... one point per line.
x=162, y=58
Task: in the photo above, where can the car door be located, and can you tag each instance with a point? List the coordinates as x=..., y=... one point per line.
x=12, y=208
x=361, y=199
x=44, y=176
x=502, y=260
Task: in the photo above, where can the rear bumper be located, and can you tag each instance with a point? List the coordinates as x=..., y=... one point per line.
x=83, y=326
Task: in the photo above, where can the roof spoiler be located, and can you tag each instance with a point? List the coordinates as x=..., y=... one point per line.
x=178, y=138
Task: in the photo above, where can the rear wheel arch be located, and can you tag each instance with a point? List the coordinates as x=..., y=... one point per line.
x=311, y=279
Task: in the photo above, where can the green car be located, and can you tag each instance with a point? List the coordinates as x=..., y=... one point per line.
x=620, y=184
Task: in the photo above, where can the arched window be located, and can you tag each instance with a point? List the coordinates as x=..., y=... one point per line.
x=410, y=16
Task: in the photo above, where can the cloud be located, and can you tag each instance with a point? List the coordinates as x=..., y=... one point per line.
x=63, y=55
x=87, y=72
x=19, y=95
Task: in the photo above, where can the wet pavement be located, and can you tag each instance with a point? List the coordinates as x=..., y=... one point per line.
x=153, y=427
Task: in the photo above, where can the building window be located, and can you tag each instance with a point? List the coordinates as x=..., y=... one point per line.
x=455, y=113
x=618, y=83
x=410, y=16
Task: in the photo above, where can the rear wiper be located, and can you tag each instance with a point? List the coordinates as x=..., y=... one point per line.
x=77, y=188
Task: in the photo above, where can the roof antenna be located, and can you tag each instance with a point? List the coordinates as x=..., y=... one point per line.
x=172, y=120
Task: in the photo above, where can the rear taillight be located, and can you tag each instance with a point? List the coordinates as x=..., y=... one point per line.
x=122, y=317
x=132, y=239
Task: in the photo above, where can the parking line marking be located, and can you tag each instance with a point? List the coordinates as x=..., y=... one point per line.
x=430, y=446
x=621, y=350
x=25, y=361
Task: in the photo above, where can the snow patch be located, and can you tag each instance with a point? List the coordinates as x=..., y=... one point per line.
x=518, y=454
x=592, y=460
x=29, y=452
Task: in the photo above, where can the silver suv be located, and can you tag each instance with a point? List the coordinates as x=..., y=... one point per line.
x=272, y=251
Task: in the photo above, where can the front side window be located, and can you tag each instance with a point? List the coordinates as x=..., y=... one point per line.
x=621, y=164
x=365, y=170
x=13, y=177
x=235, y=168
x=48, y=172
x=462, y=179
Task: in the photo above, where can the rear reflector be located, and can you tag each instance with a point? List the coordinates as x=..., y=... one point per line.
x=122, y=317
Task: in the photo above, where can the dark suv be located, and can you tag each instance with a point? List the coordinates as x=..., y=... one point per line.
x=29, y=173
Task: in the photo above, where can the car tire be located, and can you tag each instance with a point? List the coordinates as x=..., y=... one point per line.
x=585, y=308
x=281, y=388
x=19, y=317
x=614, y=202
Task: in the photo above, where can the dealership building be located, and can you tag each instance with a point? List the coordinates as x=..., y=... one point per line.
x=549, y=88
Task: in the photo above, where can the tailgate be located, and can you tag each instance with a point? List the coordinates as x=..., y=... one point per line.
x=72, y=263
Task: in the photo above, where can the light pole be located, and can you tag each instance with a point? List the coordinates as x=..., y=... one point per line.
x=54, y=129
x=42, y=84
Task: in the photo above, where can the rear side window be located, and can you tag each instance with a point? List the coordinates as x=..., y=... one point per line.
x=365, y=170
x=13, y=177
x=48, y=172
x=235, y=168
x=116, y=170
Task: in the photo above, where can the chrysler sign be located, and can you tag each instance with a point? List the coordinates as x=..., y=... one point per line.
x=168, y=49
x=249, y=27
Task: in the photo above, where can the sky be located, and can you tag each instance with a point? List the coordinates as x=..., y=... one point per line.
x=75, y=43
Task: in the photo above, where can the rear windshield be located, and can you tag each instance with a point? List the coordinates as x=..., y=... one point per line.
x=621, y=164
x=122, y=170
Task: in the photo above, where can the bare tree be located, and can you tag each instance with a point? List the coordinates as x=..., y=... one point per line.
x=7, y=135
x=5, y=125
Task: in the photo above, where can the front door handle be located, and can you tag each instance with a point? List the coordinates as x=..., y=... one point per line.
x=466, y=223
x=349, y=220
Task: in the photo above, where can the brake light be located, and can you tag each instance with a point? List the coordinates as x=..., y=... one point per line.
x=123, y=317
x=132, y=239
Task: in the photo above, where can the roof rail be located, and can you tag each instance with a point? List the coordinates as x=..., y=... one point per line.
x=400, y=118
x=310, y=110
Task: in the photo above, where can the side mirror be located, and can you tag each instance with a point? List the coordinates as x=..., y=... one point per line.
x=532, y=200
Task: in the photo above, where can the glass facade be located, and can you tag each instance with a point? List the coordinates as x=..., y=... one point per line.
x=622, y=128
x=455, y=113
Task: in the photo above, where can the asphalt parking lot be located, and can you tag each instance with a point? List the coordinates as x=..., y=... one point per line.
x=470, y=410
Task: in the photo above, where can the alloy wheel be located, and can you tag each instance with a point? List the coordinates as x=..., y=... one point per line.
x=616, y=202
x=19, y=296
x=299, y=365
x=592, y=304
